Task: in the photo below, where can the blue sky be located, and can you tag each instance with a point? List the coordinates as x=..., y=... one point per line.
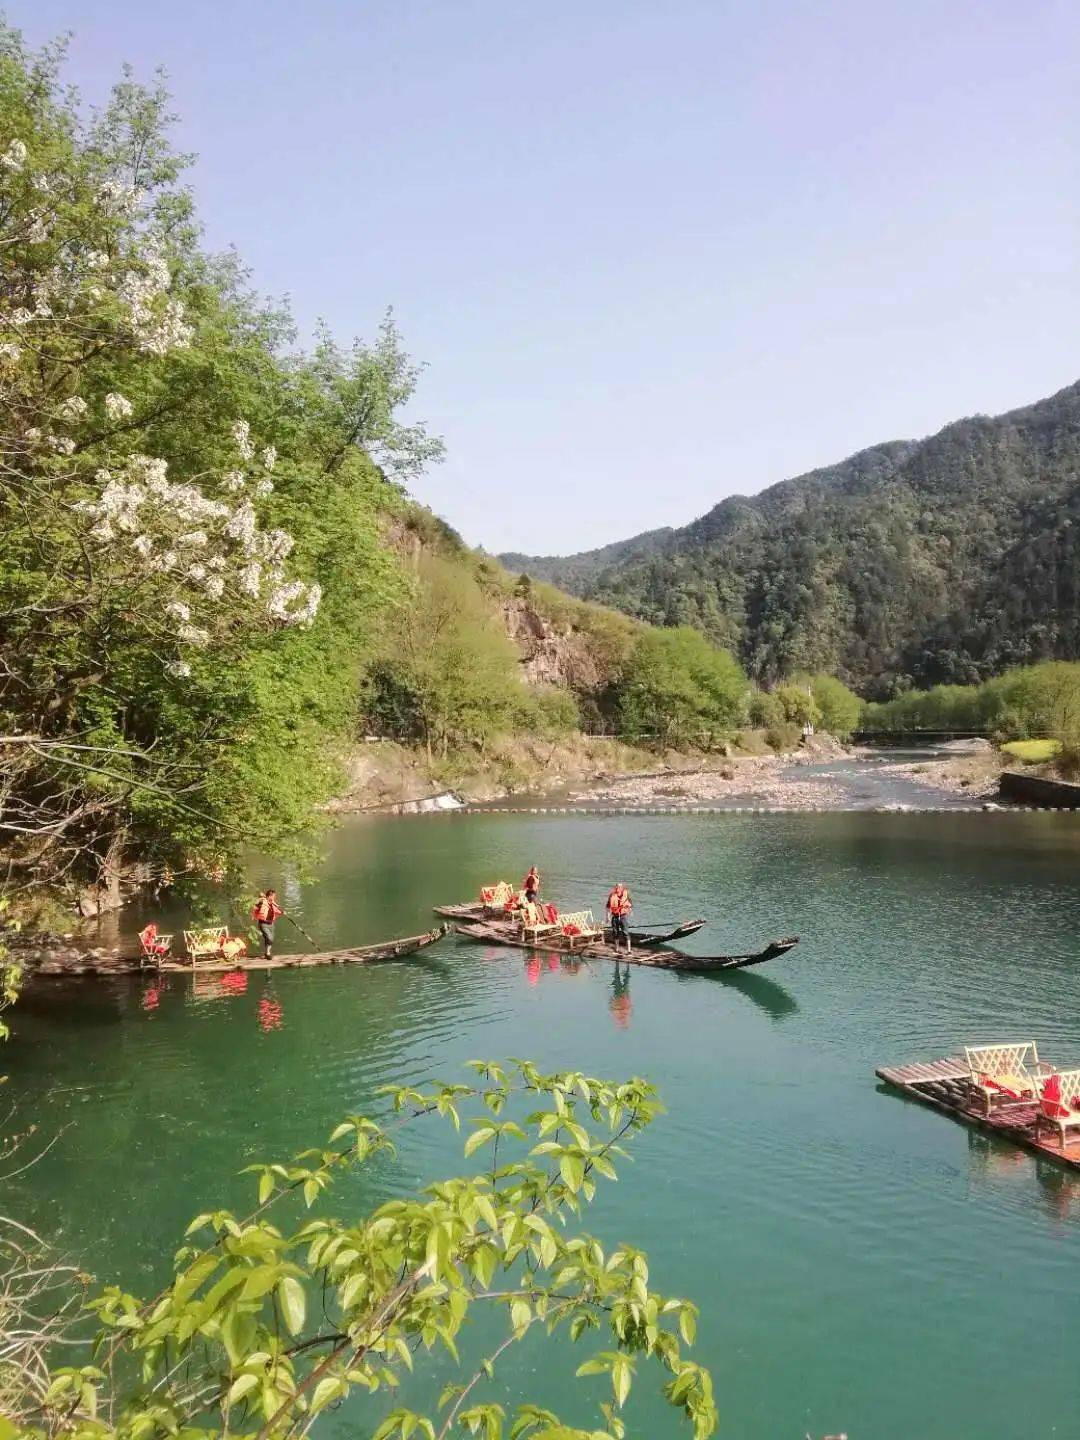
x=653, y=253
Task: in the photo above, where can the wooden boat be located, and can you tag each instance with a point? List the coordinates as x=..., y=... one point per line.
x=677, y=932
x=500, y=934
x=479, y=913
x=474, y=911
x=351, y=955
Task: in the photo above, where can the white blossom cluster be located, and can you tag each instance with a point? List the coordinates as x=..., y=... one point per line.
x=15, y=156
x=201, y=553
x=137, y=275
x=207, y=547
x=157, y=322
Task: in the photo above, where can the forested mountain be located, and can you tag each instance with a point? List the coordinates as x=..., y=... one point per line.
x=939, y=560
x=570, y=572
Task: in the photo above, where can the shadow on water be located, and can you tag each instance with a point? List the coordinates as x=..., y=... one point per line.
x=768, y=995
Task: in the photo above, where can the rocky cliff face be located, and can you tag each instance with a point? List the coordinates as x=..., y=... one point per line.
x=549, y=655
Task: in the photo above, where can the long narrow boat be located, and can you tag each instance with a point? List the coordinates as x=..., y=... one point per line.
x=479, y=914
x=604, y=950
x=351, y=955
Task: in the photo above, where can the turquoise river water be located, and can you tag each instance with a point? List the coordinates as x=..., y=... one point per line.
x=862, y=1263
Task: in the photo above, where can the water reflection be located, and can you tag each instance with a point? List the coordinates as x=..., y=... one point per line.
x=270, y=1013
x=997, y=1161
x=620, y=1004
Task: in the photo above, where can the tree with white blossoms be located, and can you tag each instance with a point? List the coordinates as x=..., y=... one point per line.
x=174, y=669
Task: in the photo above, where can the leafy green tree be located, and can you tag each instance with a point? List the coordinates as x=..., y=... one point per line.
x=840, y=708
x=192, y=565
x=764, y=709
x=267, y=1324
x=679, y=687
x=449, y=654
x=798, y=704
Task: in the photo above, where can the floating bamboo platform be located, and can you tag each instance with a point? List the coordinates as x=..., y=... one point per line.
x=351, y=955
x=943, y=1084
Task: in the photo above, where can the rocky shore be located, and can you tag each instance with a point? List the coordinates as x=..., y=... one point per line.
x=43, y=954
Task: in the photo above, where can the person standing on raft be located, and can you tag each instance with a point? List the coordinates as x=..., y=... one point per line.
x=619, y=906
x=264, y=912
x=531, y=884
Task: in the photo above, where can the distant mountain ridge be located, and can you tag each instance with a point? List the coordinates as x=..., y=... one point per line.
x=927, y=561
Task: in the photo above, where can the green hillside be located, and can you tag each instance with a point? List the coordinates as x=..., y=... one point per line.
x=943, y=560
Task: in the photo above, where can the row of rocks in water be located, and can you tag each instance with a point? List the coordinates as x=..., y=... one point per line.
x=42, y=954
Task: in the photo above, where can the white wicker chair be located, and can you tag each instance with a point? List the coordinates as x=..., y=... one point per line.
x=1060, y=1108
x=1006, y=1074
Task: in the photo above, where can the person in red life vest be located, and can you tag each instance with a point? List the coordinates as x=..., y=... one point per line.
x=531, y=883
x=265, y=911
x=150, y=943
x=619, y=906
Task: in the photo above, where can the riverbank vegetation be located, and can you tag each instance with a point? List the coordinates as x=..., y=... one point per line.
x=1031, y=701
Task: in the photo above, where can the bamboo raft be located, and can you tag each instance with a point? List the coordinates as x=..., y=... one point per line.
x=500, y=934
x=351, y=955
x=480, y=914
x=943, y=1084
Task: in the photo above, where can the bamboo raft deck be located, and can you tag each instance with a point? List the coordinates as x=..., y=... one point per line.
x=943, y=1085
x=351, y=955
x=479, y=914
x=658, y=959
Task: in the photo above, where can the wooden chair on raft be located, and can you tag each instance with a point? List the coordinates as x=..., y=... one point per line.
x=579, y=926
x=154, y=952
x=534, y=921
x=1006, y=1074
x=495, y=898
x=1059, y=1103
x=205, y=944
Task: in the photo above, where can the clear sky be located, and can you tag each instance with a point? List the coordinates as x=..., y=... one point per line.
x=654, y=252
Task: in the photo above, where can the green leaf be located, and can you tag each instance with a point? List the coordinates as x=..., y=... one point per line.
x=290, y=1295
x=194, y=1275
x=620, y=1380
x=259, y=1282
x=242, y=1386
x=478, y=1138
x=598, y=1365
x=266, y=1186
x=327, y=1390
x=572, y=1169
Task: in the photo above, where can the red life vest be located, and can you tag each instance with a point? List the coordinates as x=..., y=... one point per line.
x=266, y=911
x=618, y=902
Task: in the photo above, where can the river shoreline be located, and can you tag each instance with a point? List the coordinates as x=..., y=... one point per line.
x=822, y=774
x=823, y=777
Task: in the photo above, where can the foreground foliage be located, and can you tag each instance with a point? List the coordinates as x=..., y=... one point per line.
x=267, y=1325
